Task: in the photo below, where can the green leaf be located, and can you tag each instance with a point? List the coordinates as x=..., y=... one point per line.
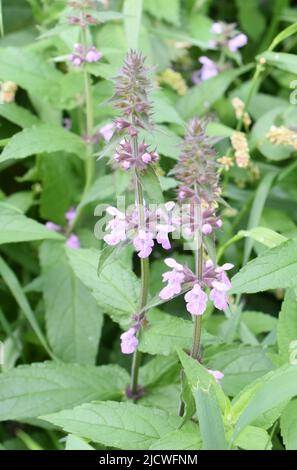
x=200, y=98
x=273, y=389
x=186, y=438
x=287, y=324
x=120, y=425
x=251, y=19
x=151, y=186
x=204, y=389
x=288, y=424
x=255, y=214
x=59, y=187
x=20, y=116
x=116, y=289
x=164, y=140
x=162, y=10
x=253, y=438
x=29, y=391
x=259, y=322
x=42, y=138
x=77, y=443
x=163, y=110
x=281, y=60
x=240, y=365
x=29, y=71
x=287, y=32
x=166, y=332
x=275, y=268
x=73, y=318
x=133, y=14
x=16, y=289
x=16, y=227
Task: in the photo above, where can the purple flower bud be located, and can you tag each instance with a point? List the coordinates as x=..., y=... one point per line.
x=216, y=374
x=206, y=229
x=146, y=157
x=209, y=68
x=73, y=242
x=107, y=131
x=70, y=214
x=93, y=55
x=237, y=42
x=217, y=28
x=54, y=227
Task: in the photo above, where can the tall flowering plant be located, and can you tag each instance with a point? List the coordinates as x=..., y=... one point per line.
x=140, y=224
x=198, y=192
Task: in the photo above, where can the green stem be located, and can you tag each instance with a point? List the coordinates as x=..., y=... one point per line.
x=198, y=271
x=90, y=165
x=144, y=265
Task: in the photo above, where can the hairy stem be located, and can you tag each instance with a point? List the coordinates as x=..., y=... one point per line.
x=89, y=127
x=198, y=271
x=144, y=265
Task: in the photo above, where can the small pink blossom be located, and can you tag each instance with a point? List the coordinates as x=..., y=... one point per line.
x=129, y=342
x=54, y=227
x=117, y=227
x=107, y=131
x=93, y=55
x=70, y=214
x=73, y=242
x=143, y=243
x=175, y=278
x=217, y=28
x=206, y=229
x=209, y=68
x=218, y=375
x=220, y=287
x=196, y=300
x=162, y=235
x=237, y=42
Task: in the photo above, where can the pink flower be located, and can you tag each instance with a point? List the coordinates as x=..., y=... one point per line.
x=70, y=214
x=220, y=287
x=209, y=68
x=117, y=226
x=216, y=374
x=93, y=55
x=129, y=342
x=143, y=243
x=196, y=300
x=217, y=28
x=107, y=131
x=73, y=242
x=175, y=278
x=237, y=42
x=162, y=235
x=53, y=227
x=206, y=229
x=146, y=157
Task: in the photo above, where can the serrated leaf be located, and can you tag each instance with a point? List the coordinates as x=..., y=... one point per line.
x=120, y=425
x=16, y=227
x=205, y=391
x=272, y=390
x=43, y=138
x=133, y=14
x=275, y=268
x=186, y=438
x=253, y=438
x=287, y=324
x=116, y=289
x=29, y=391
x=163, y=10
x=73, y=318
x=288, y=424
x=166, y=332
x=151, y=186
x=20, y=116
